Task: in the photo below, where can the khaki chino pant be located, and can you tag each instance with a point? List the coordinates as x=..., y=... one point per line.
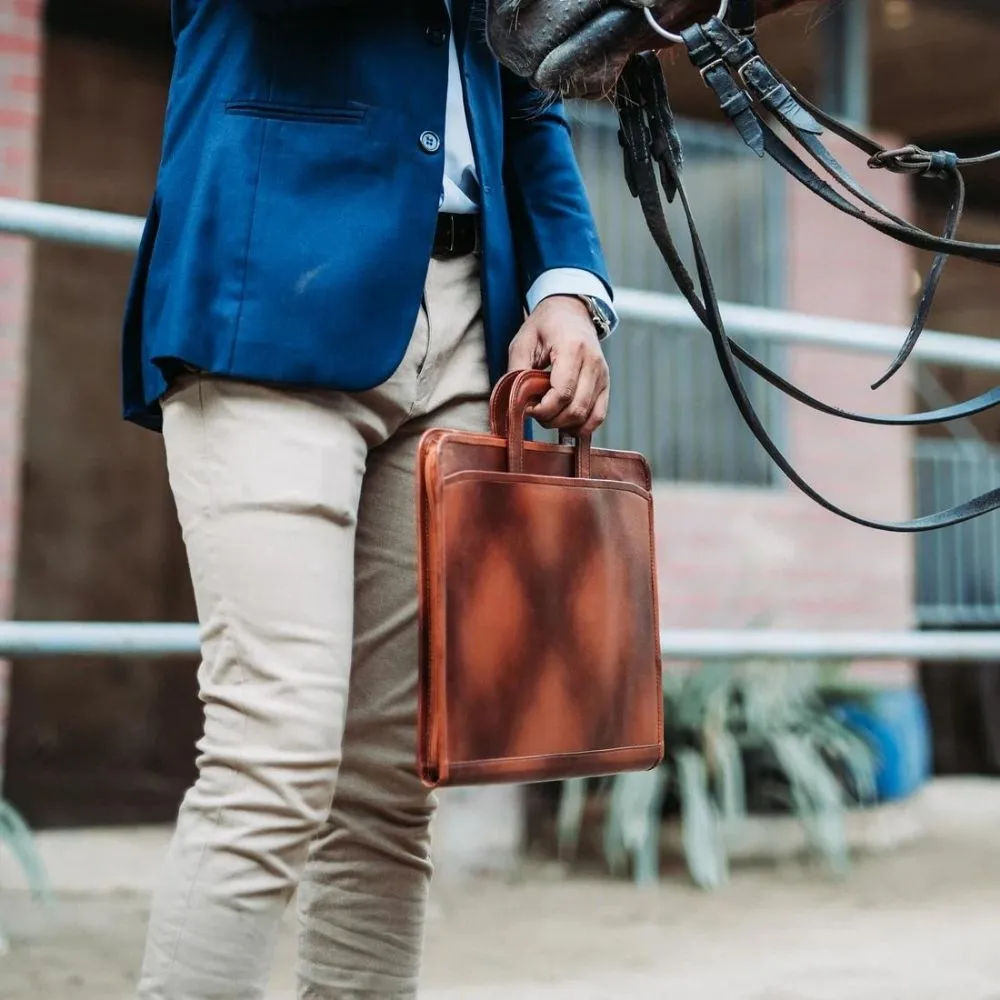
x=298, y=513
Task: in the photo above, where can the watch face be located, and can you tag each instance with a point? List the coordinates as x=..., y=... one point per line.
x=601, y=311
x=601, y=316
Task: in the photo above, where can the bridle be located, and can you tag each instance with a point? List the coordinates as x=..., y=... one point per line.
x=669, y=35
x=748, y=88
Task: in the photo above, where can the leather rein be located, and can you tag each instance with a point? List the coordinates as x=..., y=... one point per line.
x=748, y=88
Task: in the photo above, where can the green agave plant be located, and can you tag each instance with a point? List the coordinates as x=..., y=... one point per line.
x=16, y=836
x=719, y=716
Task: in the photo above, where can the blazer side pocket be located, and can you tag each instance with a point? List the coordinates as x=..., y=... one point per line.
x=296, y=113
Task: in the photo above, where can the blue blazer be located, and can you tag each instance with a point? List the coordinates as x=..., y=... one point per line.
x=295, y=206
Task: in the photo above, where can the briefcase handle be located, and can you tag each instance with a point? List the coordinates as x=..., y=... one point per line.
x=500, y=404
x=510, y=399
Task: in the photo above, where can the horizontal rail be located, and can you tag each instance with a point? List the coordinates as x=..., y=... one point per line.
x=34, y=639
x=62, y=224
x=695, y=644
x=817, y=331
x=85, y=227
x=30, y=639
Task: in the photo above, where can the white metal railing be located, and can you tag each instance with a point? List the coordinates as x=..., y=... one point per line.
x=122, y=233
x=62, y=224
x=34, y=639
x=952, y=349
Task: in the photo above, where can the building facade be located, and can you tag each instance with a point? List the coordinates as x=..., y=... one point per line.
x=87, y=527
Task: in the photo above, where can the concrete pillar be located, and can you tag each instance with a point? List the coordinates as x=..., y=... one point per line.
x=478, y=831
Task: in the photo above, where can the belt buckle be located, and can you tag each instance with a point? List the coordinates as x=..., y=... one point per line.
x=446, y=246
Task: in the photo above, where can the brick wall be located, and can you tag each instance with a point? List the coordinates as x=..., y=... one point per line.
x=98, y=534
x=20, y=56
x=98, y=537
x=735, y=556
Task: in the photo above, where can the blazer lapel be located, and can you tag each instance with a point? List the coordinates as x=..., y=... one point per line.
x=461, y=15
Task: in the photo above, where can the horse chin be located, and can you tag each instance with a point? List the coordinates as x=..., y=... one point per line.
x=588, y=63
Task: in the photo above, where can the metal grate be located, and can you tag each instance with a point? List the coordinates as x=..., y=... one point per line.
x=958, y=568
x=669, y=400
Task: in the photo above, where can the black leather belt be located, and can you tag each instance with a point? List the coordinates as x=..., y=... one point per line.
x=456, y=236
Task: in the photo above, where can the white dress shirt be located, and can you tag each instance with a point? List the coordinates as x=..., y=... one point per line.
x=460, y=193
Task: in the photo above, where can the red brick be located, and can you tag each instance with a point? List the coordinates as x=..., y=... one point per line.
x=24, y=44
x=30, y=11
x=14, y=120
x=22, y=83
x=20, y=46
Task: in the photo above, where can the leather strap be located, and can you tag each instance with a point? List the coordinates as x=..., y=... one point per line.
x=742, y=16
x=733, y=99
x=649, y=139
x=500, y=404
x=804, y=122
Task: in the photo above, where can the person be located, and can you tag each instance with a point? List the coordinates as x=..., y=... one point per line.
x=360, y=222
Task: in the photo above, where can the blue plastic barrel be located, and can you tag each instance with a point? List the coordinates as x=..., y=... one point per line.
x=898, y=725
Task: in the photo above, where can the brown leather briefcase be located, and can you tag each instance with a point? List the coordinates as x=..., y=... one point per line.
x=539, y=635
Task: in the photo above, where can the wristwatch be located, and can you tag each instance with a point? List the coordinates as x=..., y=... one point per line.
x=599, y=315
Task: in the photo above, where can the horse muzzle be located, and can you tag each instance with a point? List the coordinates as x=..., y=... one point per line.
x=576, y=48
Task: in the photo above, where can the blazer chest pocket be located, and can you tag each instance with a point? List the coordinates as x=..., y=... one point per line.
x=296, y=112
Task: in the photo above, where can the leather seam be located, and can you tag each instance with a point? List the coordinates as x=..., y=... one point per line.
x=568, y=755
x=531, y=479
x=544, y=447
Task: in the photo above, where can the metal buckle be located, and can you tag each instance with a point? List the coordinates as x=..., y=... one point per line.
x=741, y=72
x=708, y=69
x=762, y=96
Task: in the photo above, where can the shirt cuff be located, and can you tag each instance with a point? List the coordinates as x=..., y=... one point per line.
x=570, y=281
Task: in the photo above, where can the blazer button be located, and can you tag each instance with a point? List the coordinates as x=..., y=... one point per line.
x=436, y=35
x=430, y=142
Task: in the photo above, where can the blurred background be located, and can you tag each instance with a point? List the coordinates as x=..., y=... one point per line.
x=824, y=823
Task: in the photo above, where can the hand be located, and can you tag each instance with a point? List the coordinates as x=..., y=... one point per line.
x=560, y=334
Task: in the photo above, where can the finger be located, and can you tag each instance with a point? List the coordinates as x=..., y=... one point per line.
x=598, y=414
x=523, y=351
x=567, y=372
x=578, y=396
x=574, y=415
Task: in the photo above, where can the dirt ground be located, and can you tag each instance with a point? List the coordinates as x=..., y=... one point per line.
x=921, y=922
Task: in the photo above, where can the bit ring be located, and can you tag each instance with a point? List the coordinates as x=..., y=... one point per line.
x=669, y=35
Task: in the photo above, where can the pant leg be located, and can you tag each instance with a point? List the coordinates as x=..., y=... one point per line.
x=363, y=895
x=267, y=485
